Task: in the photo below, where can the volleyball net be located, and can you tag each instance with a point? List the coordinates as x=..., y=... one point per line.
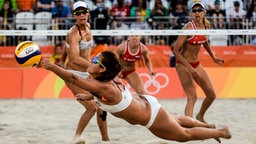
x=222, y=37
x=237, y=47
x=133, y=32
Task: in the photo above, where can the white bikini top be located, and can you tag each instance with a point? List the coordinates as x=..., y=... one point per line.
x=83, y=44
x=123, y=104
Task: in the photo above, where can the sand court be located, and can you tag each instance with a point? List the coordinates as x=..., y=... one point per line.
x=53, y=121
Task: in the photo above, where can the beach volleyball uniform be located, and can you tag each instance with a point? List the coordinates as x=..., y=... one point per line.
x=126, y=101
x=125, y=73
x=130, y=57
x=82, y=44
x=155, y=106
x=194, y=64
x=195, y=40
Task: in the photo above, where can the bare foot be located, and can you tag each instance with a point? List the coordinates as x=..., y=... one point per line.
x=213, y=126
x=201, y=119
x=79, y=140
x=226, y=133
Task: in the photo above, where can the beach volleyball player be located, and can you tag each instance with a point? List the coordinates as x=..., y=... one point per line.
x=110, y=94
x=188, y=67
x=129, y=53
x=79, y=41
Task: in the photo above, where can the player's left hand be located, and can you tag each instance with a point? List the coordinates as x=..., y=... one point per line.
x=153, y=73
x=219, y=61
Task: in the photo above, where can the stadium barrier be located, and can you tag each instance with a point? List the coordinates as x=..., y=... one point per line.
x=229, y=82
x=234, y=56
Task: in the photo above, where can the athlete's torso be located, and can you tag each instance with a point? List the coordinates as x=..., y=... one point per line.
x=83, y=44
x=123, y=104
x=196, y=39
x=131, y=57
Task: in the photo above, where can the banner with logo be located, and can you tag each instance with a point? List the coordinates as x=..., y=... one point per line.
x=7, y=56
x=40, y=83
x=234, y=56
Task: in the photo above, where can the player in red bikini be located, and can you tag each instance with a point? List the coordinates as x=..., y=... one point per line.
x=129, y=52
x=188, y=66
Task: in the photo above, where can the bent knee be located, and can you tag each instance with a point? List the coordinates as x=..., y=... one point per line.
x=191, y=93
x=90, y=106
x=211, y=96
x=191, y=99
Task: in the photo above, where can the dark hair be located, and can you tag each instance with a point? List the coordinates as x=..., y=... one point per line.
x=113, y=67
x=236, y=3
x=58, y=45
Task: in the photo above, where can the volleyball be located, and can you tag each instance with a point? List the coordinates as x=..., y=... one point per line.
x=28, y=54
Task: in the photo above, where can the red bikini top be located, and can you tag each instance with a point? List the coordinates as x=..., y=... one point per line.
x=196, y=39
x=128, y=56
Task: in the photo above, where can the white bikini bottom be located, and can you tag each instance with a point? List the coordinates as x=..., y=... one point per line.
x=155, y=106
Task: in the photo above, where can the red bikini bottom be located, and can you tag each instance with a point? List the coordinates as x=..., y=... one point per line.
x=194, y=64
x=124, y=73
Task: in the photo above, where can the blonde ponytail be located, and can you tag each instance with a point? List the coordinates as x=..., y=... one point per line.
x=207, y=23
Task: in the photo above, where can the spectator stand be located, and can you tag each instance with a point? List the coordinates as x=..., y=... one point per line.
x=43, y=21
x=100, y=19
x=24, y=21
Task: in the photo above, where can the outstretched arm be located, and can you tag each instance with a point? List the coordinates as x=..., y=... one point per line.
x=90, y=85
x=82, y=97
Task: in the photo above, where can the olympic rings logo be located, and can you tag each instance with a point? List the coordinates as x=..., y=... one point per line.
x=153, y=84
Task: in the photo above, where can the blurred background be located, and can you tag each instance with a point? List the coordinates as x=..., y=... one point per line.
x=235, y=79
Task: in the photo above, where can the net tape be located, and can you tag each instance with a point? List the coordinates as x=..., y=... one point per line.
x=132, y=32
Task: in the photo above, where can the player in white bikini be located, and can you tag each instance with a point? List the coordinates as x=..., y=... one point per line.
x=111, y=95
x=78, y=44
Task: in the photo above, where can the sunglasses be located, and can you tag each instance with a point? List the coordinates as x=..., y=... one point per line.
x=96, y=60
x=197, y=10
x=78, y=13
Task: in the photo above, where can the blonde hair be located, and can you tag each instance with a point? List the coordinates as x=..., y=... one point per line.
x=206, y=23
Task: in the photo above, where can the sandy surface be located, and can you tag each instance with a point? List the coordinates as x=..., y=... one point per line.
x=53, y=121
